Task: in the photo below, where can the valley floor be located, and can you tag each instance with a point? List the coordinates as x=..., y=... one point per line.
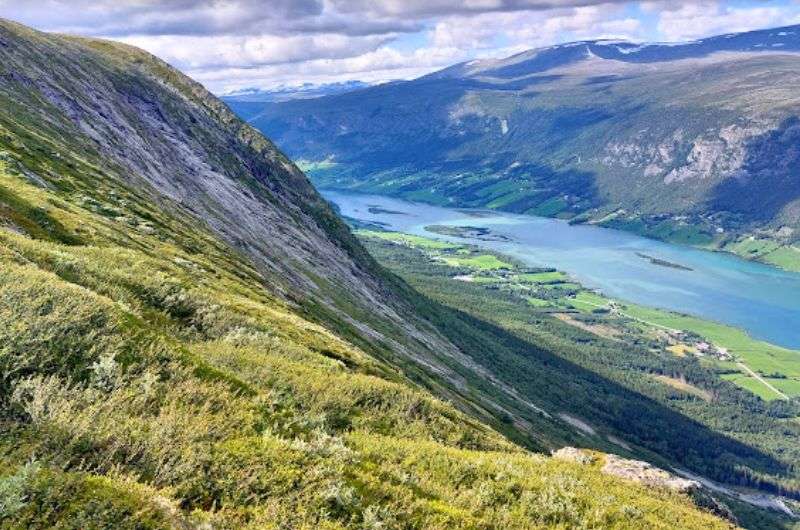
x=555, y=309
x=769, y=371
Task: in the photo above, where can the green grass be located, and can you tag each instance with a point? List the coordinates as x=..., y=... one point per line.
x=408, y=239
x=542, y=277
x=481, y=262
x=767, y=251
x=587, y=301
x=751, y=384
x=548, y=208
x=758, y=355
x=503, y=200
x=751, y=247
x=213, y=402
x=785, y=257
x=789, y=386
x=538, y=302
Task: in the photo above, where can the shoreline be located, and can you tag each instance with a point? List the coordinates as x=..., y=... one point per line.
x=459, y=206
x=731, y=344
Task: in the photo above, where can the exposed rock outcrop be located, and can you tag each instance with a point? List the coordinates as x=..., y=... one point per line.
x=647, y=474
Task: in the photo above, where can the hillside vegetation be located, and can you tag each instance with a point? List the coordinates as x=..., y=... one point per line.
x=693, y=143
x=189, y=337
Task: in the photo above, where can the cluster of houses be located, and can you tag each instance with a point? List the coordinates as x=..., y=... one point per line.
x=696, y=346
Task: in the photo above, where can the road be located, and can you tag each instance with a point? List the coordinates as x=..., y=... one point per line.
x=761, y=379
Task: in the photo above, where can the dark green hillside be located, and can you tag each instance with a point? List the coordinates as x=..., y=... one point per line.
x=689, y=143
x=636, y=373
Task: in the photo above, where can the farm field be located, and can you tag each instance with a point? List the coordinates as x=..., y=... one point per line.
x=777, y=369
x=408, y=239
x=785, y=257
x=482, y=262
x=761, y=357
x=542, y=277
x=768, y=251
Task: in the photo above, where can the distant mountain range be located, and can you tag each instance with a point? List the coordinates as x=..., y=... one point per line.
x=286, y=93
x=249, y=101
x=693, y=142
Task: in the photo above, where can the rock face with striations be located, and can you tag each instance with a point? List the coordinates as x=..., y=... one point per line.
x=164, y=135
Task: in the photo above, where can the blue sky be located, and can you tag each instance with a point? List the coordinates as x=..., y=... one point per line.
x=234, y=44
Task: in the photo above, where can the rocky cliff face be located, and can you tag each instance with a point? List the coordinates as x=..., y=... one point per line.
x=163, y=134
x=151, y=129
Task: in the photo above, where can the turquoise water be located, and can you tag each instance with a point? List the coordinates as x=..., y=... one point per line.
x=760, y=299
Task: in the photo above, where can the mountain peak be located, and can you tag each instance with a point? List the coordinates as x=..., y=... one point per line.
x=785, y=39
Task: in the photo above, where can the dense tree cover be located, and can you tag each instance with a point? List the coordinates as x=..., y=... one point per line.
x=735, y=437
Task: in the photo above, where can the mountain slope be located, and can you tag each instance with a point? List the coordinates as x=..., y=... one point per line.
x=164, y=272
x=694, y=143
x=166, y=140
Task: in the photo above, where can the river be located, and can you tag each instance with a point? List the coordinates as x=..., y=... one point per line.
x=762, y=300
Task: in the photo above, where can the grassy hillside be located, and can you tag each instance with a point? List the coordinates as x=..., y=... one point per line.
x=189, y=337
x=158, y=389
x=694, y=144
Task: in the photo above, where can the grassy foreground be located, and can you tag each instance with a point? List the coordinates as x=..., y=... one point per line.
x=149, y=380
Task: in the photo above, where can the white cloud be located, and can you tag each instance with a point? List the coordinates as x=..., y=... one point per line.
x=703, y=18
x=215, y=52
x=428, y=8
x=236, y=43
x=379, y=65
x=533, y=29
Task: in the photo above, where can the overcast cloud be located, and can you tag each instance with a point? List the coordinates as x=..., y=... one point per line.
x=233, y=44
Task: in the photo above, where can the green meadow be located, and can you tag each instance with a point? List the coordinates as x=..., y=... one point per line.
x=542, y=277
x=553, y=289
x=761, y=357
x=481, y=262
x=408, y=239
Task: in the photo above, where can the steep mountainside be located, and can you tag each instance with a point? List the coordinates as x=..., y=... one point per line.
x=167, y=141
x=190, y=337
x=695, y=143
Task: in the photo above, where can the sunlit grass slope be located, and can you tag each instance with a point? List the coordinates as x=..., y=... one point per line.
x=147, y=386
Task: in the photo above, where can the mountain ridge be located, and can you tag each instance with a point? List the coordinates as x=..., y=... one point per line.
x=592, y=131
x=288, y=92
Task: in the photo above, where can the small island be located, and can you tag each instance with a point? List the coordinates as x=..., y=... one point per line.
x=374, y=209
x=664, y=263
x=467, y=232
